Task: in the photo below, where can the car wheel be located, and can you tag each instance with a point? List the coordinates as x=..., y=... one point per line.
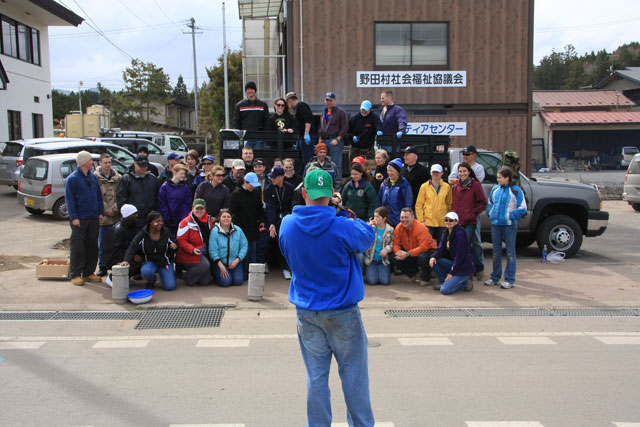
x=560, y=233
x=636, y=206
x=34, y=211
x=60, y=209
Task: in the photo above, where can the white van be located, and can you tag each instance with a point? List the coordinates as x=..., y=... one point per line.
x=169, y=143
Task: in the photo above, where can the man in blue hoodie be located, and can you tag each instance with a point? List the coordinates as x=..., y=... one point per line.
x=325, y=288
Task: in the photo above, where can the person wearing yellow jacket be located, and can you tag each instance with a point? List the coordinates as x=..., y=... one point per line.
x=433, y=202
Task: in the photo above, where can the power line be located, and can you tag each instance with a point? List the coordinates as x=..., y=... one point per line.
x=139, y=19
x=168, y=17
x=585, y=27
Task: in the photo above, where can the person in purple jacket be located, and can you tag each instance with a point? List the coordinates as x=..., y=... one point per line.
x=453, y=262
x=174, y=198
x=334, y=126
x=393, y=117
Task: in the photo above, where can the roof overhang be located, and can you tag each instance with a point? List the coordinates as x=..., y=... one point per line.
x=592, y=118
x=48, y=12
x=259, y=9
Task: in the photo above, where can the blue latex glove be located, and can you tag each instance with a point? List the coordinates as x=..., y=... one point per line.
x=379, y=133
x=399, y=135
x=307, y=138
x=355, y=138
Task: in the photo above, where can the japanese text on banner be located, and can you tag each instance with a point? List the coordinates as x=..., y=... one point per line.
x=437, y=128
x=411, y=79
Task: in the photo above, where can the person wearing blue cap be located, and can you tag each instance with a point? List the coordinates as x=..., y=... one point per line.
x=248, y=212
x=172, y=160
x=334, y=127
x=207, y=164
x=395, y=192
x=363, y=127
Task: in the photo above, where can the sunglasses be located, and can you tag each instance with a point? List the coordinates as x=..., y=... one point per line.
x=280, y=105
x=449, y=220
x=218, y=174
x=466, y=153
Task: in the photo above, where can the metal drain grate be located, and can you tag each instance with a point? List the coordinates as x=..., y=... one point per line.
x=181, y=318
x=97, y=315
x=26, y=315
x=515, y=312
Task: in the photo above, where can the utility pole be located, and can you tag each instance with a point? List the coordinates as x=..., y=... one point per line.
x=226, y=72
x=192, y=25
x=81, y=113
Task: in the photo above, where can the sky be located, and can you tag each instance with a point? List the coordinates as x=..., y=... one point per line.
x=155, y=31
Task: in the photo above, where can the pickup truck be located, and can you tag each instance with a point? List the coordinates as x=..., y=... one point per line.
x=559, y=213
x=169, y=143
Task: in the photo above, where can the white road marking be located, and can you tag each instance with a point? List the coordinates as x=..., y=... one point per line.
x=377, y=424
x=121, y=344
x=526, y=340
x=619, y=340
x=503, y=424
x=206, y=425
x=424, y=341
x=626, y=424
x=21, y=345
x=223, y=343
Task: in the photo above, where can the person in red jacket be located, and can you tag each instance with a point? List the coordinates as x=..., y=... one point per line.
x=468, y=202
x=193, y=235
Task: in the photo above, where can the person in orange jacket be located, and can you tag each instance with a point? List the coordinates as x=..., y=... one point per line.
x=412, y=248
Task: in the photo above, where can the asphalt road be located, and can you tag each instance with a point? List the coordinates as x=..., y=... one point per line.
x=533, y=372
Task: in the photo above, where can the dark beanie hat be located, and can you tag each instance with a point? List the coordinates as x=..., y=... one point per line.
x=250, y=85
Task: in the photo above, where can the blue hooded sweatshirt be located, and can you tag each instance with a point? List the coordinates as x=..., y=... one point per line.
x=320, y=248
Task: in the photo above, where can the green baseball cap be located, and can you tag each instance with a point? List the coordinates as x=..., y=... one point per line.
x=199, y=203
x=318, y=183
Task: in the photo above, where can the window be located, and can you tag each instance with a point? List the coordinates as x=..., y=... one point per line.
x=36, y=99
x=412, y=44
x=67, y=168
x=630, y=150
x=20, y=41
x=177, y=144
x=36, y=170
x=12, y=149
x=15, y=125
x=38, y=128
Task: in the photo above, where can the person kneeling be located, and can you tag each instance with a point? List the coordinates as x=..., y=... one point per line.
x=453, y=262
x=193, y=234
x=412, y=247
x=227, y=248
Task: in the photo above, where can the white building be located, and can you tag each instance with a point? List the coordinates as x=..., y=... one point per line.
x=25, y=76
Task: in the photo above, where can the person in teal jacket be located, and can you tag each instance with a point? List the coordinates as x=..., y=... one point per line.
x=227, y=248
x=359, y=195
x=507, y=205
x=395, y=192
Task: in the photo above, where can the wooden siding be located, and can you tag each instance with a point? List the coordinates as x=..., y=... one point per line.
x=487, y=38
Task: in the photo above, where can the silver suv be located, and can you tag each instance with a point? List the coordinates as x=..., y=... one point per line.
x=631, y=189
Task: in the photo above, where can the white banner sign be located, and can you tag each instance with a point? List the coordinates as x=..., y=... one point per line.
x=411, y=79
x=437, y=128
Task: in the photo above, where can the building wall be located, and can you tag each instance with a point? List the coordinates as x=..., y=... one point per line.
x=621, y=84
x=27, y=81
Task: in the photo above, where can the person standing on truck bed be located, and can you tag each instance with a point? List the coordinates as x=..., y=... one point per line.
x=334, y=125
x=415, y=173
x=363, y=127
x=393, y=116
x=251, y=114
x=307, y=127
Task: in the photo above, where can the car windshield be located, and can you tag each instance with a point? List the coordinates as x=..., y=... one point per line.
x=630, y=150
x=177, y=144
x=36, y=169
x=12, y=149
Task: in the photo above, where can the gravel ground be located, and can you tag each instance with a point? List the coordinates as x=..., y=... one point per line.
x=609, y=182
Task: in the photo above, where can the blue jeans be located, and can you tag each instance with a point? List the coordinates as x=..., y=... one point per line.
x=235, y=277
x=377, y=272
x=336, y=154
x=307, y=151
x=167, y=275
x=506, y=233
x=341, y=333
x=473, y=237
x=250, y=258
x=103, y=233
x=256, y=145
x=455, y=284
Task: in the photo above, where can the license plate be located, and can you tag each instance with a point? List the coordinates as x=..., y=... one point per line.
x=30, y=202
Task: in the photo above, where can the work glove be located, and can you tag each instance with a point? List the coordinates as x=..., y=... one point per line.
x=355, y=138
x=399, y=135
x=307, y=138
x=379, y=133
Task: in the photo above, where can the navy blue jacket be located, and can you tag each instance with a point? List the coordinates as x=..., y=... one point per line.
x=365, y=128
x=83, y=196
x=395, y=120
x=460, y=251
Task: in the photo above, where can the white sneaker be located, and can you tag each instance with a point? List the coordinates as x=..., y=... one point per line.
x=266, y=268
x=286, y=274
x=490, y=282
x=109, y=282
x=506, y=285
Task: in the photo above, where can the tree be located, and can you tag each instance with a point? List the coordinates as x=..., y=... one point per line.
x=180, y=89
x=144, y=83
x=211, y=97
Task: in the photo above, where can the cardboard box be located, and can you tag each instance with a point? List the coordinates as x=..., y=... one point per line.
x=53, y=269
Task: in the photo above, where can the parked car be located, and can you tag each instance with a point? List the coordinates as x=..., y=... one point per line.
x=123, y=155
x=619, y=158
x=559, y=213
x=41, y=187
x=631, y=189
x=12, y=157
x=169, y=143
x=156, y=154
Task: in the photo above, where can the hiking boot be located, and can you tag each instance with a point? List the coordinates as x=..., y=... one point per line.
x=78, y=281
x=93, y=278
x=436, y=287
x=411, y=279
x=424, y=283
x=490, y=282
x=469, y=286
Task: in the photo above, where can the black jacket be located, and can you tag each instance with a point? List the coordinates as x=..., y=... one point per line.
x=151, y=168
x=118, y=241
x=419, y=175
x=305, y=115
x=216, y=197
x=250, y=115
x=139, y=191
x=248, y=213
x=295, y=180
x=156, y=251
x=285, y=121
x=278, y=202
x=231, y=184
x=365, y=128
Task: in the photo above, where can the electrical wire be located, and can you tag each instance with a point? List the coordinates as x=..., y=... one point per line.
x=168, y=17
x=139, y=19
x=584, y=27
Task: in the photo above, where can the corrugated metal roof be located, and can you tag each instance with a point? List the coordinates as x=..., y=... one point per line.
x=259, y=9
x=591, y=118
x=631, y=73
x=580, y=98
